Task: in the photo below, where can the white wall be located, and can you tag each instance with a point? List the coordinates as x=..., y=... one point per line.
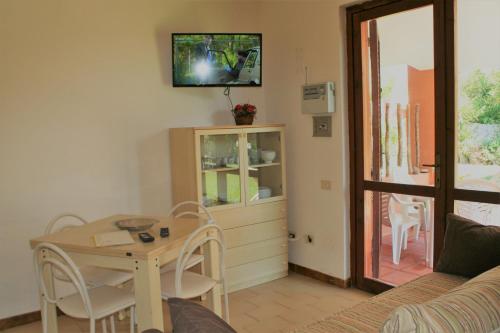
x=407, y=38
x=310, y=33
x=86, y=101
x=85, y=104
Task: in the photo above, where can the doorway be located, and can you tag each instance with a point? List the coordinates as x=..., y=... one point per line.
x=395, y=130
x=410, y=63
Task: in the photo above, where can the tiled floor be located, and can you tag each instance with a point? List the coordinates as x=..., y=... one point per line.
x=277, y=306
x=411, y=265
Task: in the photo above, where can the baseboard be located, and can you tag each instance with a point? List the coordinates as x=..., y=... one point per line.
x=319, y=276
x=19, y=320
x=22, y=319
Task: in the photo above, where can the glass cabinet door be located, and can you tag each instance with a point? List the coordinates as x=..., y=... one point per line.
x=220, y=169
x=265, y=172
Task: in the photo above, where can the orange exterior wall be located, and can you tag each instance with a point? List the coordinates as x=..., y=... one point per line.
x=421, y=91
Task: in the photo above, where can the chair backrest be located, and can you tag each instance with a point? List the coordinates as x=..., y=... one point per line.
x=51, y=226
x=196, y=213
x=201, y=236
x=398, y=207
x=50, y=257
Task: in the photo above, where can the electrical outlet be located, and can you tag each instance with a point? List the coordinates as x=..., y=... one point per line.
x=326, y=185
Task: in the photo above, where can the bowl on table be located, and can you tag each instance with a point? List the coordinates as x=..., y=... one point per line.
x=136, y=224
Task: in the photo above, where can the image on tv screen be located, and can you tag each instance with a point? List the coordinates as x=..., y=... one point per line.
x=216, y=59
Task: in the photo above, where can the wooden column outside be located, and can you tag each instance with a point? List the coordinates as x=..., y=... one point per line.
x=417, y=137
x=387, y=142
x=400, y=135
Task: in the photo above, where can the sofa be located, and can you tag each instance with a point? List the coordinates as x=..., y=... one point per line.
x=370, y=315
x=464, y=297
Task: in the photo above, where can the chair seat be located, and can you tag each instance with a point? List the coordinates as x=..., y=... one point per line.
x=193, y=285
x=194, y=260
x=397, y=220
x=96, y=276
x=105, y=301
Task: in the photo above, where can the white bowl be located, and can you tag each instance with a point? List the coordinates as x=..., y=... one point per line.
x=268, y=156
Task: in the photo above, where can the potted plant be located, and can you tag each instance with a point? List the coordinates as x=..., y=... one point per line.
x=244, y=114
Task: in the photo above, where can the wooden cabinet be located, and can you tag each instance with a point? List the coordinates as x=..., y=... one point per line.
x=238, y=172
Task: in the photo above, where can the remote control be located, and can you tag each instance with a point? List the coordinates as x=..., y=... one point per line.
x=146, y=237
x=164, y=232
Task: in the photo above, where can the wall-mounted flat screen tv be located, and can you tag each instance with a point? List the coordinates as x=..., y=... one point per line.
x=220, y=60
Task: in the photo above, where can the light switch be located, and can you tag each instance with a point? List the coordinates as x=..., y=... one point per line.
x=322, y=126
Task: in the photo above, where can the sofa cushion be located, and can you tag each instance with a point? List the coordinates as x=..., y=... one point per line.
x=469, y=247
x=189, y=317
x=471, y=307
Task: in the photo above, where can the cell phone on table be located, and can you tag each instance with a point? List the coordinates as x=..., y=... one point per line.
x=146, y=237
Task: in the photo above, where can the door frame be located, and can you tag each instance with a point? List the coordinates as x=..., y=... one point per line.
x=444, y=125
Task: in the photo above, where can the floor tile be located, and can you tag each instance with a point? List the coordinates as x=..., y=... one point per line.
x=277, y=306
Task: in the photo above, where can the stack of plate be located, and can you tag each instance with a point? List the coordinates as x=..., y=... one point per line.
x=264, y=192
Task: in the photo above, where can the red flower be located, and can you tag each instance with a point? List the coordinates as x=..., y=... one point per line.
x=244, y=110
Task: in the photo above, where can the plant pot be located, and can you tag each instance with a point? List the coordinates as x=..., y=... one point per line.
x=244, y=120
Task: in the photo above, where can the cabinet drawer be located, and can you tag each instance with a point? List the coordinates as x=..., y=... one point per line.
x=255, y=233
x=256, y=251
x=257, y=272
x=241, y=216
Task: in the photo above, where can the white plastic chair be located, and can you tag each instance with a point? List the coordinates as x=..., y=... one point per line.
x=185, y=284
x=93, y=276
x=94, y=304
x=196, y=258
x=405, y=214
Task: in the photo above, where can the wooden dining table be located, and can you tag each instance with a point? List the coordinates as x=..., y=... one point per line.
x=143, y=259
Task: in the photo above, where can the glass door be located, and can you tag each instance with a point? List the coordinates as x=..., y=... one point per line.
x=220, y=169
x=476, y=189
x=397, y=165
x=265, y=165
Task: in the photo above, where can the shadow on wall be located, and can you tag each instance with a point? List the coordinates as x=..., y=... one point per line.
x=154, y=174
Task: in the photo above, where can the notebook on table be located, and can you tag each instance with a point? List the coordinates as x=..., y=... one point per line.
x=113, y=238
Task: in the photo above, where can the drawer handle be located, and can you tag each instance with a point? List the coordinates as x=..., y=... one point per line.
x=283, y=245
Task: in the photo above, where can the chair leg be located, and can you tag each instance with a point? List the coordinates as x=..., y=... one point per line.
x=405, y=239
x=132, y=319
x=44, y=317
x=104, y=326
x=92, y=326
x=112, y=321
x=394, y=246
x=397, y=244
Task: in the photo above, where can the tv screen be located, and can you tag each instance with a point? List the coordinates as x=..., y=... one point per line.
x=216, y=60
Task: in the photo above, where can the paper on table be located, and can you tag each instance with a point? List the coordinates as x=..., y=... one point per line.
x=113, y=238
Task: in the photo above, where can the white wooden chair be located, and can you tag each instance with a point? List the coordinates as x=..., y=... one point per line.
x=94, y=304
x=405, y=214
x=93, y=276
x=185, y=284
x=179, y=210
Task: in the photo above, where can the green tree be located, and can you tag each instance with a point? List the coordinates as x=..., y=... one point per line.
x=483, y=92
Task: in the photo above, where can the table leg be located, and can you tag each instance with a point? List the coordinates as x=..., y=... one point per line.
x=148, y=295
x=50, y=308
x=214, y=296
